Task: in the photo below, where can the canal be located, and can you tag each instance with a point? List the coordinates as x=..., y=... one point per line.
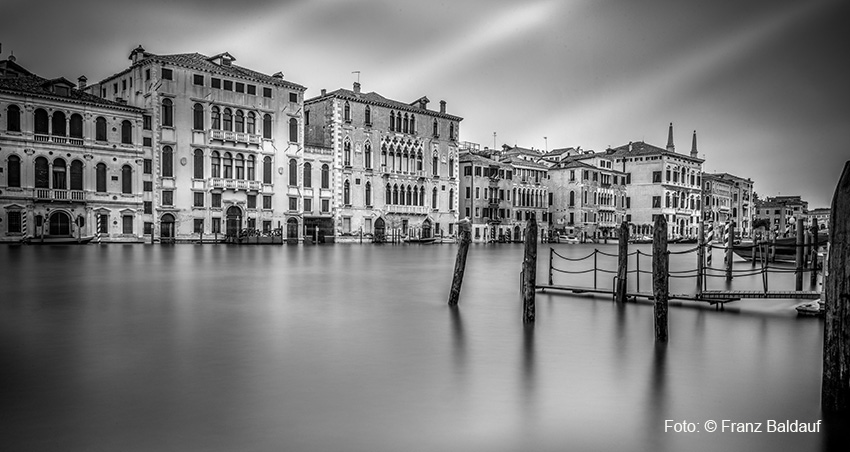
x=353, y=348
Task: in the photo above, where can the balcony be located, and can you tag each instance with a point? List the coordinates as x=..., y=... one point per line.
x=233, y=184
x=420, y=210
x=50, y=194
x=235, y=137
x=607, y=208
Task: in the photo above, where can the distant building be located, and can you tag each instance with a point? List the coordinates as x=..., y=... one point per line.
x=661, y=182
x=486, y=186
x=728, y=198
x=822, y=214
x=393, y=166
x=221, y=144
x=530, y=192
x=781, y=213
x=72, y=163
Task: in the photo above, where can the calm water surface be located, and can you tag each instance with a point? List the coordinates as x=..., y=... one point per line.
x=353, y=348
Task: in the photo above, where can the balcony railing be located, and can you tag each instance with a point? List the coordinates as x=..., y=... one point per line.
x=236, y=137
x=408, y=209
x=52, y=194
x=234, y=184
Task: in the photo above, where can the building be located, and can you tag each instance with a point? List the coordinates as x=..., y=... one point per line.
x=728, y=198
x=393, y=165
x=71, y=162
x=661, y=182
x=779, y=214
x=486, y=186
x=588, y=195
x=822, y=215
x=530, y=192
x=221, y=144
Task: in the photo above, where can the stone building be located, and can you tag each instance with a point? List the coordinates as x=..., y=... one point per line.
x=222, y=144
x=485, y=197
x=661, y=182
x=72, y=163
x=393, y=166
x=728, y=198
x=781, y=214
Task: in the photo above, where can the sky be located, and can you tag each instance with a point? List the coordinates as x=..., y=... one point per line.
x=763, y=82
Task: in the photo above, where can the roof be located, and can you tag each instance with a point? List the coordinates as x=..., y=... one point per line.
x=374, y=98
x=559, y=151
x=204, y=63
x=640, y=148
x=31, y=84
x=480, y=159
x=517, y=161
x=569, y=164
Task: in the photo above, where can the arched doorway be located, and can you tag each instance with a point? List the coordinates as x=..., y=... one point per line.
x=166, y=226
x=292, y=230
x=517, y=233
x=426, y=229
x=380, y=230
x=233, y=221
x=59, y=224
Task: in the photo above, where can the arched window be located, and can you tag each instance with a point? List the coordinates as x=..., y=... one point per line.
x=215, y=115
x=167, y=113
x=422, y=196
x=76, y=175
x=346, y=112
x=409, y=196
x=451, y=199
x=419, y=161
x=267, y=126
x=308, y=176
x=58, y=123
x=240, y=166
x=395, y=194
x=293, y=130
x=435, y=132
x=13, y=169
x=293, y=172
x=167, y=162
x=383, y=155
x=392, y=121
x=252, y=123
x=412, y=124
x=572, y=198
x=126, y=179
x=367, y=155
x=42, y=123
x=240, y=121
x=100, y=129
x=415, y=196
x=368, y=194
x=346, y=153
x=198, y=117
x=198, y=163
x=251, y=164
x=59, y=176
x=326, y=176
x=368, y=115
x=404, y=124
x=267, y=170
x=228, y=120
x=388, y=195
x=126, y=132
x=42, y=173
x=451, y=167
x=436, y=166
x=434, y=198
x=13, y=118
x=76, y=129
x=228, y=165
x=398, y=122
x=215, y=164
x=100, y=177
x=452, y=131
x=346, y=193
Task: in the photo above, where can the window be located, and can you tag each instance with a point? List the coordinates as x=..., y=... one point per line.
x=199, y=164
x=167, y=198
x=126, y=179
x=346, y=193
x=100, y=177
x=215, y=83
x=326, y=176
x=346, y=153
x=293, y=172
x=452, y=131
x=127, y=224
x=435, y=164
x=251, y=165
x=240, y=87
x=228, y=120
x=59, y=123
x=452, y=167
x=99, y=129
x=13, y=170
x=167, y=113
x=41, y=122
x=146, y=122
x=147, y=141
x=198, y=225
x=267, y=92
x=167, y=162
x=434, y=198
x=656, y=177
x=14, y=220
x=368, y=193
x=392, y=121
x=293, y=97
x=198, y=117
x=267, y=170
x=228, y=166
x=215, y=200
x=293, y=203
x=126, y=132
x=76, y=129
x=368, y=116
x=13, y=118
x=267, y=202
x=656, y=201
x=240, y=121
x=198, y=199
x=252, y=90
x=167, y=74
x=215, y=116
x=198, y=79
x=293, y=130
x=367, y=155
x=240, y=166
x=308, y=177
x=215, y=227
x=346, y=112
x=228, y=85
x=308, y=204
x=148, y=207
x=252, y=123
x=326, y=206
x=267, y=126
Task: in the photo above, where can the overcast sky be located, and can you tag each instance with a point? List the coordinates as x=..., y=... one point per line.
x=764, y=83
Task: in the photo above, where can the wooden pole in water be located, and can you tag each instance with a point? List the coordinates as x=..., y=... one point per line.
x=798, y=257
x=660, y=273
x=700, y=256
x=464, y=230
x=807, y=245
x=815, y=230
x=730, y=241
x=835, y=395
x=529, y=271
x=622, y=263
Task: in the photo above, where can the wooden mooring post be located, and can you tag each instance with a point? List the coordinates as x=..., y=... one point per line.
x=465, y=232
x=835, y=395
x=730, y=242
x=814, y=259
x=798, y=256
x=529, y=271
x=700, y=256
x=660, y=274
x=622, y=263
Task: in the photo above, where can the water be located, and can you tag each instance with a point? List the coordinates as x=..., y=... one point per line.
x=353, y=348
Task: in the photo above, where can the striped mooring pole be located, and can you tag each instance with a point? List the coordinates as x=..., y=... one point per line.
x=99, y=221
x=24, y=226
x=709, y=238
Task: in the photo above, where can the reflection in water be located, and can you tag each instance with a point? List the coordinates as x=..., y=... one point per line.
x=458, y=341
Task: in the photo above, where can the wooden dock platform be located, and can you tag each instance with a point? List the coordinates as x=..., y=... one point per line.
x=790, y=294
x=716, y=299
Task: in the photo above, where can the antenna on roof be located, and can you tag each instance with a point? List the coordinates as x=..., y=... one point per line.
x=358, y=75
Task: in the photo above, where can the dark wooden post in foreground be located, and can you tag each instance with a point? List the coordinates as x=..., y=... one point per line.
x=529, y=271
x=700, y=256
x=798, y=256
x=660, y=273
x=835, y=396
x=622, y=263
x=465, y=232
x=730, y=242
x=815, y=230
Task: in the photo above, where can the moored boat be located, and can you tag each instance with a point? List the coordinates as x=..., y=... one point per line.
x=59, y=240
x=811, y=309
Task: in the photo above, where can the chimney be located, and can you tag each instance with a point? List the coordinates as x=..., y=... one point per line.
x=694, y=146
x=81, y=82
x=276, y=74
x=324, y=91
x=137, y=54
x=423, y=103
x=630, y=146
x=443, y=106
x=670, y=146
x=356, y=87
x=12, y=57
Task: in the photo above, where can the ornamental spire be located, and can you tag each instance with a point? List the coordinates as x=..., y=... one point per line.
x=670, y=146
x=694, y=145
